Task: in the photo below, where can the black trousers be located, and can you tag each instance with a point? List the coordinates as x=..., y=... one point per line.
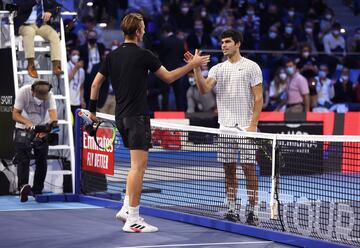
x=23, y=156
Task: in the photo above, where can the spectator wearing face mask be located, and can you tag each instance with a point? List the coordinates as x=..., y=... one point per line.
x=305, y=57
x=309, y=36
x=90, y=53
x=333, y=41
x=197, y=102
x=252, y=22
x=324, y=88
x=272, y=41
x=206, y=19
x=327, y=21
x=76, y=80
x=297, y=100
x=198, y=39
x=185, y=17
x=164, y=17
x=250, y=40
x=270, y=18
x=289, y=38
x=277, y=90
x=292, y=17
x=344, y=88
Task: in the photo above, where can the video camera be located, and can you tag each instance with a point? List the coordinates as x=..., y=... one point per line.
x=52, y=136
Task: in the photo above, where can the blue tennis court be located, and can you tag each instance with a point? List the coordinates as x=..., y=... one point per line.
x=72, y=224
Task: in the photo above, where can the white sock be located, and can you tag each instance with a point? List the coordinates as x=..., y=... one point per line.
x=133, y=213
x=126, y=202
x=232, y=205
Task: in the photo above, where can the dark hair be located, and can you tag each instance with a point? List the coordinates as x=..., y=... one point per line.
x=233, y=34
x=40, y=82
x=131, y=23
x=289, y=60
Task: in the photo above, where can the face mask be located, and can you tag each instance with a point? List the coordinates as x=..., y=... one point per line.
x=308, y=30
x=291, y=13
x=184, y=10
x=250, y=12
x=345, y=78
x=290, y=70
x=75, y=58
x=322, y=74
x=113, y=48
x=272, y=35
x=192, y=81
x=38, y=101
x=336, y=32
x=305, y=54
x=282, y=76
x=328, y=17
x=288, y=30
x=92, y=41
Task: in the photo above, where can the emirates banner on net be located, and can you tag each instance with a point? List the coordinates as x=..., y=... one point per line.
x=94, y=158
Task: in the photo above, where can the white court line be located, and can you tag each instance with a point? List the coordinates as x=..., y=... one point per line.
x=37, y=209
x=199, y=244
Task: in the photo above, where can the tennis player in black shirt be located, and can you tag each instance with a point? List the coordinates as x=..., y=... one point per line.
x=128, y=67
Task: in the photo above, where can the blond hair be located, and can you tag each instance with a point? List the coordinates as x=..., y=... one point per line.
x=131, y=23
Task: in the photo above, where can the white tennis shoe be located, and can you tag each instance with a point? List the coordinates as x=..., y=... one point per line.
x=123, y=214
x=139, y=226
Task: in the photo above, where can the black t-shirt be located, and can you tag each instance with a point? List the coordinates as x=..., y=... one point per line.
x=128, y=67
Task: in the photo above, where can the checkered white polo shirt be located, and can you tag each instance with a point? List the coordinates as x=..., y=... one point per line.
x=234, y=96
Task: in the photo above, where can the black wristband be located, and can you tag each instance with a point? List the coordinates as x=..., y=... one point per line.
x=92, y=105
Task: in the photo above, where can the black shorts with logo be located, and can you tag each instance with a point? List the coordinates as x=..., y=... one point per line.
x=135, y=132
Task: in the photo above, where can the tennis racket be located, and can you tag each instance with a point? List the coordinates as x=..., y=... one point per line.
x=266, y=147
x=93, y=129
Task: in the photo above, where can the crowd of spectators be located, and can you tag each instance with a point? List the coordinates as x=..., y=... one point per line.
x=306, y=32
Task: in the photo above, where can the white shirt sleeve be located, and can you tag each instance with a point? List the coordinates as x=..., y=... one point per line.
x=213, y=72
x=20, y=99
x=52, y=101
x=257, y=75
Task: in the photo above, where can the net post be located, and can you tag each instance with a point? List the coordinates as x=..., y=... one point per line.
x=78, y=147
x=273, y=203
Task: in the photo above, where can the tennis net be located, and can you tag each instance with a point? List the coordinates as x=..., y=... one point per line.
x=306, y=184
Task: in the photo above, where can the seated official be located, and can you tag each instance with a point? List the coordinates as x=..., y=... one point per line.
x=32, y=104
x=32, y=19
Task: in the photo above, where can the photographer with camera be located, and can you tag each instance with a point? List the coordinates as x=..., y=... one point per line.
x=35, y=116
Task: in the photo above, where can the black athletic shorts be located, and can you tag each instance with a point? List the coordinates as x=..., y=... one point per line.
x=135, y=132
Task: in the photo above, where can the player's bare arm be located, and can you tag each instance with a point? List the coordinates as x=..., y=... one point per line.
x=204, y=85
x=257, y=92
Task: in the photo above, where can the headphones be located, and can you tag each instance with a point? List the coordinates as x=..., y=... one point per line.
x=35, y=84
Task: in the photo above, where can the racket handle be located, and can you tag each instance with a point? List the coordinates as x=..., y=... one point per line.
x=84, y=114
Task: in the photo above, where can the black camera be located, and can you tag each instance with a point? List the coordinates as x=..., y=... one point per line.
x=52, y=137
